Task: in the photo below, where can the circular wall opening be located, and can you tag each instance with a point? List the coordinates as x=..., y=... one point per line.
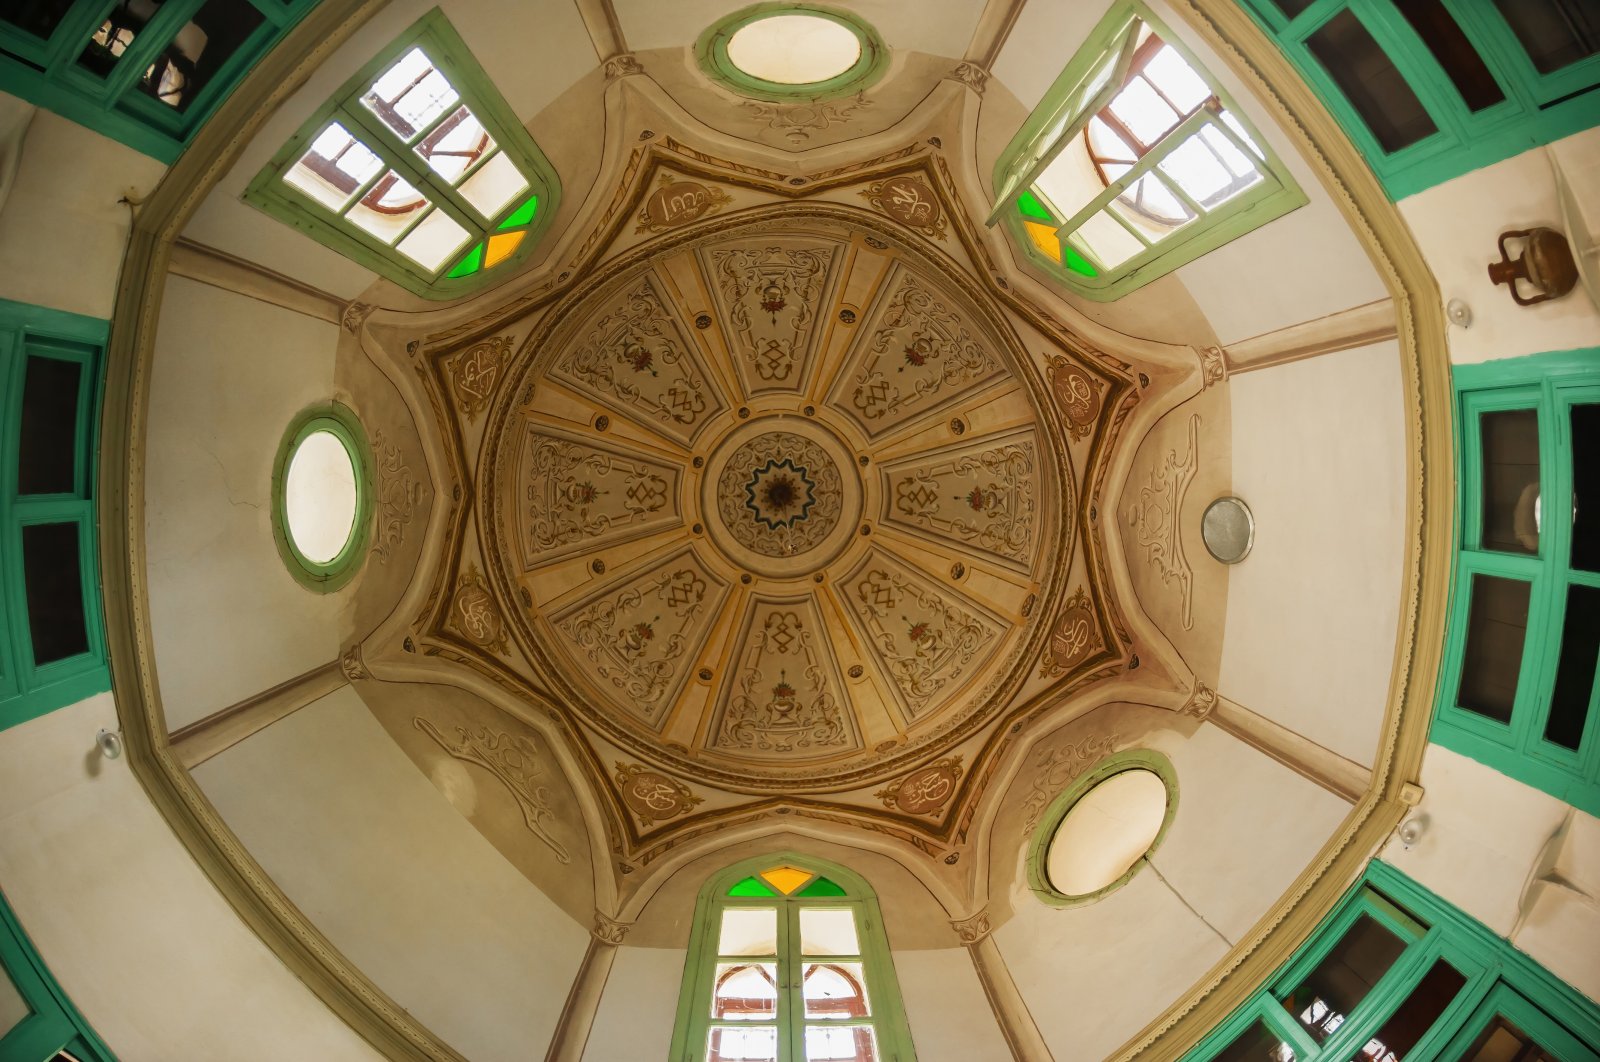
x=780, y=51
x=1098, y=833
x=796, y=49
x=319, y=497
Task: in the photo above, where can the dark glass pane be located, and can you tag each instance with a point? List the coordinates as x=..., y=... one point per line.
x=1344, y=977
x=1420, y=1010
x=1586, y=487
x=1373, y=85
x=1510, y=480
x=1256, y=1044
x=1580, y=642
x=200, y=48
x=1496, y=623
x=54, y=591
x=1442, y=34
x=116, y=34
x=39, y=17
x=48, y=446
x=1555, y=33
x=1294, y=7
x=1504, y=1042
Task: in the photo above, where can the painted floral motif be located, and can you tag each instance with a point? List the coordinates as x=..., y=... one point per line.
x=916, y=356
x=634, y=359
x=780, y=494
x=770, y=292
x=641, y=637
x=1153, y=519
x=782, y=699
x=576, y=495
x=984, y=497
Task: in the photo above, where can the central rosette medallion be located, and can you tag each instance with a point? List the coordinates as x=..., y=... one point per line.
x=779, y=494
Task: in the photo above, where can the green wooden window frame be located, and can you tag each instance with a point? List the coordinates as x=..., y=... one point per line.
x=1088, y=83
x=711, y=50
x=1115, y=764
x=524, y=218
x=53, y=1024
x=1549, y=384
x=29, y=689
x=45, y=71
x=1537, y=108
x=1496, y=980
x=834, y=887
x=339, y=421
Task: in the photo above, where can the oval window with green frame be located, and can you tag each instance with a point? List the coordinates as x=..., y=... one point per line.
x=322, y=497
x=1095, y=837
x=781, y=52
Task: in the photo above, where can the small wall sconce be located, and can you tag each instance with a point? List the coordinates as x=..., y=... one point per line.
x=1412, y=829
x=110, y=743
x=1545, y=263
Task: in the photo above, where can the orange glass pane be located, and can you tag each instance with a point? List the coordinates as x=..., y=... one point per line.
x=500, y=247
x=786, y=879
x=1044, y=238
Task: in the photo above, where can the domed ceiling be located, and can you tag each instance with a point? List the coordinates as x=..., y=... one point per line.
x=780, y=500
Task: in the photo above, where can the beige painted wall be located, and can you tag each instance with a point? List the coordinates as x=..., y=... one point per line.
x=1457, y=224
x=639, y=1006
x=62, y=228
x=137, y=936
x=382, y=864
x=1488, y=839
x=1318, y=455
x=945, y=1006
x=229, y=620
x=532, y=53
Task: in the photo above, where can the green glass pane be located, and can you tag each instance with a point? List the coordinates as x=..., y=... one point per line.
x=750, y=887
x=821, y=887
x=522, y=215
x=470, y=263
x=1077, y=262
x=1028, y=206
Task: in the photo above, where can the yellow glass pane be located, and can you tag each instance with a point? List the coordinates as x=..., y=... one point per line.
x=786, y=879
x=500, y=248
x=1044, y=237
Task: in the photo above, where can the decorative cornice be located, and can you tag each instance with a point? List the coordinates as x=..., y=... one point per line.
x=973, y=929
x=608, y=930
x=971, y=75
x=621, y=65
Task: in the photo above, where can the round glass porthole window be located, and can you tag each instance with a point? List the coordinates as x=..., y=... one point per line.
x=320, y=497
x=1095, y=836
x=792, y=52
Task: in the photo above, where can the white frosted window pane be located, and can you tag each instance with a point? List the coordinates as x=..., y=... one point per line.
x=1161, y=212
x=333, y=167
x=748, y=931
x=13, y=1008
x=320, y=497
x=743, y=1045
x=389, y=208
x=458, y=142
x=1107, y=144
x=855, y=1044
x=1197, y=170
x=1069, y=182
x=1145, y=114
x=410, y=94
x=828, y=931
x=1108, y=243
x=434, y=241
x=495, y=184
x=1106, y=832
x=745, y=992
x=1238, y=163
x=1238, y=129
x=834, y=991
x=1177, y=80
x=794, y=49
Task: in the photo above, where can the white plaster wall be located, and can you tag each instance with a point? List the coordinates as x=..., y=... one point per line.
x=1044, y=38
x=136, y=934
x=406, y=888
x=62, y=229
x=1075, y=966
x=1487, y=837
x=1232, y=799
x=938, y=27
x=639, y=1007
x=532, y=52
x=1458, y=222
x=229, y=620
x=1319, y=455
x=949, y=1015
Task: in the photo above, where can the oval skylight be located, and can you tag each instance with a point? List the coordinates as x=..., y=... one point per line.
x=1106, y=832
x=320, y=497
x=794, y=49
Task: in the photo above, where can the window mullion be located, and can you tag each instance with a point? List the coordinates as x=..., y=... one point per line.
x=148, y=43
x=791, y=1009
